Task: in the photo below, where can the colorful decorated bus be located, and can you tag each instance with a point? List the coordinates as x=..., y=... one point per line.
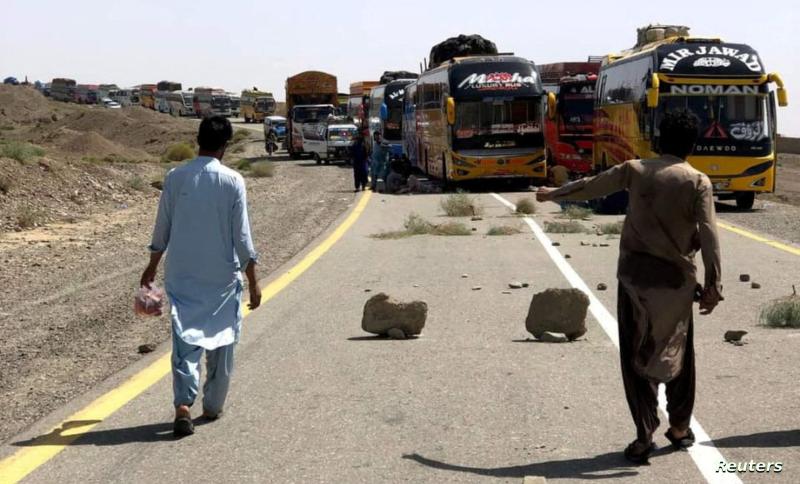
x=724, y=84
x=479, y=117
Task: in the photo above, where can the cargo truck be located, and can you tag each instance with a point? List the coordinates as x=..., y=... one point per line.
x=311, y=97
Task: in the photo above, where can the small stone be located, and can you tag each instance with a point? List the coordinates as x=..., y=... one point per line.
x=734, y=335
x=525, y=284
x=603, y=245
x=146, y=348
x=464, y=276
x=755, y=285
x=567, y=256
x=601, y=287
x=515, y=285
x=550, y=337
x=474, y=229
x=744, y=277
x=416, y=285
x=556, y=244
x=506, y=292
x=396, y=333
x=584, y=243
x=594, y=245
x=476, y=288
x=367, y=290
x=477, y=219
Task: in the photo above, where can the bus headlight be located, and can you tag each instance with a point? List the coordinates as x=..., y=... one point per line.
x=759, y=183
x=462, y=162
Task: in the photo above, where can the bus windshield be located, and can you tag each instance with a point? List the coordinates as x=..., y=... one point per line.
x=729, y=124
x=221, y=101
x=264, y=104
x=498, y=123
x=311, y=115
x=577, y=113
x=393, y=125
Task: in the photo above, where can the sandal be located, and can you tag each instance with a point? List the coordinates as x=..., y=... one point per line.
x=683, y=443
x=640, y=457
x=183, y=427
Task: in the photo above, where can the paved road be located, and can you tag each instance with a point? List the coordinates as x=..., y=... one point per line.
x=317, y=400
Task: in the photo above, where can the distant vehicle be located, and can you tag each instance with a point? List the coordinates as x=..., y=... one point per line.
x=11, y=81
x=135, y=100
x=569, y=132
x=104, y=90
x=358, y=102
x=62, y=89
x=235, y=104
x=211, y=102
x=169, y=86
x=256, y=105
x=86, y=94
x=275, y=131
x=307, y=123
x=335, y=142
x=147, y=96
x=122, y=96
x=317, y=93
x=110, y=103
x=386, y=104
x=162, y=106
x=180, y=103
x=724, y=84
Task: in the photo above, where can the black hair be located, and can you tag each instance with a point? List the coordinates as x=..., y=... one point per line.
x=678, y=133
x=214, y=133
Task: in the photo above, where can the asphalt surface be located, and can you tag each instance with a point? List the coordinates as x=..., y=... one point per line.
x=315, y=399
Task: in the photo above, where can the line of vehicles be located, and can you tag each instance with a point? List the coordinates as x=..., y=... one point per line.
x=502, y=116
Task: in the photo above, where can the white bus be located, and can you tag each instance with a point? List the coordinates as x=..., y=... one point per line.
x=180, y=103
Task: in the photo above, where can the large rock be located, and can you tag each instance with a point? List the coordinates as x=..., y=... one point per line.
x=382, y=313
x=558, y=311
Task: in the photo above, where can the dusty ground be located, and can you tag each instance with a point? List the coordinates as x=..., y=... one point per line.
x=65, y=316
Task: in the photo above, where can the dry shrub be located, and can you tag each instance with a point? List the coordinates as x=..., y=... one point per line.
x=504, y=230
x=6, y=183
x=452, y=228
x=243, y=164
x=576, y=212
x=28, y=218
x=179, y=152
x=416, y=225
x=262, y=169
x=610, y=229
x=20, y=151
x=526, y=206
x=240, y=135
x=460, y=205
x=782, y=313
x=571, y=227
x=137, y=183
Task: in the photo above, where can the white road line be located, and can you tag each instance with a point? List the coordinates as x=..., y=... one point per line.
x=704, y=453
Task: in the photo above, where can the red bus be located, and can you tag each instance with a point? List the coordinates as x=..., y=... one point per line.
x=568, y=129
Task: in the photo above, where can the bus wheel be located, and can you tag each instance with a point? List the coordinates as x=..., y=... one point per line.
x=317, y=158
x=745, y=200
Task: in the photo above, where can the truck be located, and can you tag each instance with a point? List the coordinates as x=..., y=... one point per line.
x=86, y=94
x=211, y=102
x=568, y=132
x=311, y=96
x=256, y=105
x=147, y=96
x=62, y=89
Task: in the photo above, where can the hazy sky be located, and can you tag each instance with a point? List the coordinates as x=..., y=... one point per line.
x=240, y=43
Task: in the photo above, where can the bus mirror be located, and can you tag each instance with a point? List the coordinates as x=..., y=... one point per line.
x=451, y=111
x=652, y=92
x=384, y=112
x=551, y=105
x=783, y=96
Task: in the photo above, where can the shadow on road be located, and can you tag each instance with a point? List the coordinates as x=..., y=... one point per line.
x=144, y=433
x=596, y=467
x=379, y=338
x=778, y=438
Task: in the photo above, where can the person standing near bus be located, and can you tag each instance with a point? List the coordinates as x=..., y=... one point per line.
x=378, y=160
x=670, y=217
x=358, y=152
x=203, y=226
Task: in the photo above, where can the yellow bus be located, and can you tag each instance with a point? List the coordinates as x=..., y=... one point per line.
x=479, y=117
x=724, y=84
x=255, y=105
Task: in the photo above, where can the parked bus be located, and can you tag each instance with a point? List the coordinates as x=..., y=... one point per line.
x=86, y=94
x=62, y=90
x=409, y=128
x=122, y=96
x=313, y=90
x=180, y=103
x=236, y=104
x=104, y=90
x=723, y=84
x=211, y=102
x=386, y=102
x=480, y=117
x=162, y=105
x=568, y=134
x=256, y=105
x=147, y=96
x=357, y=103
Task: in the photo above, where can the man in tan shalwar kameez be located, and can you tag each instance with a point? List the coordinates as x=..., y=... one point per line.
x=670, y=216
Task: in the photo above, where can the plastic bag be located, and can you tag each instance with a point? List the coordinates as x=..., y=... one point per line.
x=149, y=301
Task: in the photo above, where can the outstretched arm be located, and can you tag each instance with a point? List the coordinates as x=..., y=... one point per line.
x=610, y=181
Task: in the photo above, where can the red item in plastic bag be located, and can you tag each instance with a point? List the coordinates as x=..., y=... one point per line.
x=149, y=301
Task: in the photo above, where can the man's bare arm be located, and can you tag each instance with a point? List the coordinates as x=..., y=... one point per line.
x=709, y=247
x=149, y=274
x=252, y=284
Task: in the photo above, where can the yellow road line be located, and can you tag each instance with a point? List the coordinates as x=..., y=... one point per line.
x=18, y=465
x=758, y=238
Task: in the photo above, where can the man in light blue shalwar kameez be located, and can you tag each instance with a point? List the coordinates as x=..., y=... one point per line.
x=203, y=227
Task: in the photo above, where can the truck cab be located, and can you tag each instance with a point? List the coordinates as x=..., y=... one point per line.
x=335, y=143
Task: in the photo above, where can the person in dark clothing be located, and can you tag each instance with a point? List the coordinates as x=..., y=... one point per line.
x=670, y=218
x=360, y=163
